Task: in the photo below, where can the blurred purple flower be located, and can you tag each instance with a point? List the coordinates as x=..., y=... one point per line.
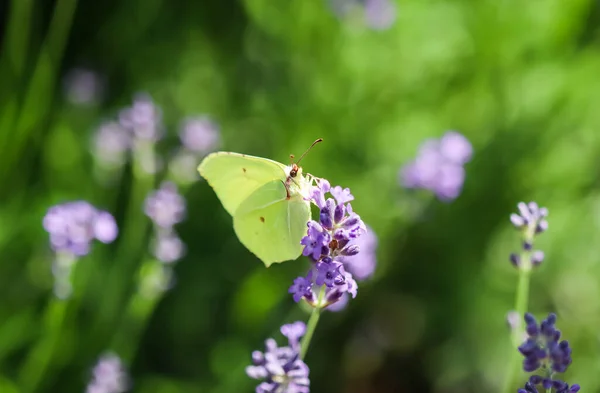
x=111, y=144
x=165, y=206
x=438, y=166
x=143, y=119
x=83, y=86
x=200, y=135
x=108, y=376
x=73, y=225
x=168, y=247
x=380, y=14
x=456, y=148
x=363, y=264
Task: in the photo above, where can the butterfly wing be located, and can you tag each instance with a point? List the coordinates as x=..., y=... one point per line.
x=235, y=176
x=270, y=225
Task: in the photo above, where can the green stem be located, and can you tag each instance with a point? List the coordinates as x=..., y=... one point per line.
x=312, y=324
x=521, y=301
x=141, y=305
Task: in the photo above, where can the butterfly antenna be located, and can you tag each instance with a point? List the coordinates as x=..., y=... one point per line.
x=307, y=150
x=291, y=158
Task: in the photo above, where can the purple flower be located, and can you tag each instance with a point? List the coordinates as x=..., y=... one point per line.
x=329, y=273
x=281, y=368
x=200, y=135
x=108, y=376
x=165, y=206
x=438, y=166
x=317, y=194
x=302, y=288
x=341, y=195
x=380, y=14
x=531, y=221
x=143, y=119
x=294, y=332
x=74, y=225
x=544, y=350
x=111, y=144
x=361, y=265
x=456, y=148
x=316, y=242
x=168, y=247
x=531, y=217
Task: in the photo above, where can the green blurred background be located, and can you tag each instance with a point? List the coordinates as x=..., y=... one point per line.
x=520, y=79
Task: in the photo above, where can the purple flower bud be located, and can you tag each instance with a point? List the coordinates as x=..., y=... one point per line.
x=537, y=257
x=339, y=213
x=111, y=144
x=258, y=358
x=165, y=206
x=294, y=332
x=535, y=379
x=143, y=119
x=326, y=215
x=517, y=220
x=515, y=259
x=108, y=376
x=200, y=134
x=168, y=247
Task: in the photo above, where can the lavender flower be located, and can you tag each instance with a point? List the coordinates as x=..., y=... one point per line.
x=280, y=368
x=531, y=221
x=111, y=144
x=438, y=166
x=380, y=14
x=543, y=351
x=143, y=119
x=108, y=376
x=165, y=206
x=531, y=218
x=168, y=247
x=326, y=243
x=74, y=225
x=302, y=288
x=200, y=135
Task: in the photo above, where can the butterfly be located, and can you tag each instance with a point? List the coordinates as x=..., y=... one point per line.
x=269, y=201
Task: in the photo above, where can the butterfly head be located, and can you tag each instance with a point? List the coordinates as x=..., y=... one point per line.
x=295, y=170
